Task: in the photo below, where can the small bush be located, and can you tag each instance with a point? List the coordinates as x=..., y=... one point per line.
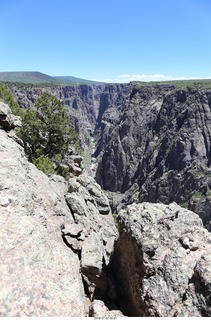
x=44, y=164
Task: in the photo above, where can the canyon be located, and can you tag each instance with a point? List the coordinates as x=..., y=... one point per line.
x=152, y=142
x=150, y=155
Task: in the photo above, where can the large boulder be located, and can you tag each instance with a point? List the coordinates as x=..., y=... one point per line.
x=161, y=262
x=7, y=120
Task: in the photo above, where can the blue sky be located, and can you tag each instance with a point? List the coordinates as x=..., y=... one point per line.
x=113, y=40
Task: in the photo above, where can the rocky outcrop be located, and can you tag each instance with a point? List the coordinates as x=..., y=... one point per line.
x=72, y=162
x=161, y=262
x=56, y=239
x=95, y=239
x=39, y=274
x=7, y=120
x=58, y=256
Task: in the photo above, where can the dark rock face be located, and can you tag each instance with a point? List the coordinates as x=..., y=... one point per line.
x=161, y=263
x=154, y=146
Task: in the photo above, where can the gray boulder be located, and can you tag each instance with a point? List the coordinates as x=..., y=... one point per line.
x=100, y=310
x=7, y=120
x=161, y=262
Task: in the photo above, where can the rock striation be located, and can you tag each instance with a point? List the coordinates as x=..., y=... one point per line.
x=161, y=263
x=154, y=145
x=56, y=238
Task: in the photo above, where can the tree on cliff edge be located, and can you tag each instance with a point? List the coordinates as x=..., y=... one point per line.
x=46, y=132
x=57, y=134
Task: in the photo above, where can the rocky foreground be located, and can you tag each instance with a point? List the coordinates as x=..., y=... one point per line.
x=56, y=238
x=162, y=262
x=62, y=255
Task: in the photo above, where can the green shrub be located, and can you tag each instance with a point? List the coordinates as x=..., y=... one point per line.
x=63, y=171
x=7, y=98
x=44, y=164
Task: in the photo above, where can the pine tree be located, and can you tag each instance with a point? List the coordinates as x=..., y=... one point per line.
x=46, y=132
x=56, y=129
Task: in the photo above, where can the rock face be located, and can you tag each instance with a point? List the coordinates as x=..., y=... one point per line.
x=39, y=274
x=154, y=145
x=54, y=251
x=57, y=240
x=161, y=262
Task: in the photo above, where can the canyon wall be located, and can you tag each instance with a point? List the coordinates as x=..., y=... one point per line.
x=152, y=141
x=155, y=145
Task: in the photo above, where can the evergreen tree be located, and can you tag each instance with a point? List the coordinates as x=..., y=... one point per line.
x=46, y=132
x=7, y=98
x=56, y=128
x=31, y=132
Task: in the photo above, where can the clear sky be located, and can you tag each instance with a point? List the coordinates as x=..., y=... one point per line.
x=117, y=40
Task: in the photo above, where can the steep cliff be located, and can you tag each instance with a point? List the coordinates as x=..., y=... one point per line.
x=154, y=145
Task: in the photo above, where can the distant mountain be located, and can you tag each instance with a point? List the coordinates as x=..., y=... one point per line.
x=65, y=79
x=26, y=77
x=35, y=77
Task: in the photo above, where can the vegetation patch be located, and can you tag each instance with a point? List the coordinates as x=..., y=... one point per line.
x=178, y=84
x=44, y=164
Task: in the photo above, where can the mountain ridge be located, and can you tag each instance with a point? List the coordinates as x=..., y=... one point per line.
x=37, y=78
x=40, y=78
